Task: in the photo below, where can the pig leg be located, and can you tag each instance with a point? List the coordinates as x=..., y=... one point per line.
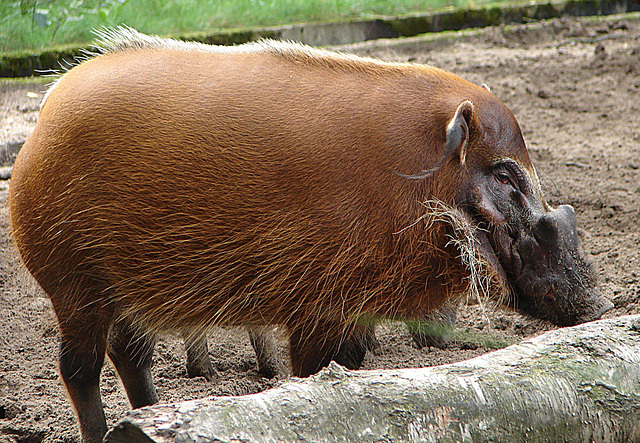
x=131, y=350
x=436, y=330
x=198, y=362
x=368, y=338
x=83, y=330
x=264, y=344
x=312, y=350
x=80, y=371
x=353, y=349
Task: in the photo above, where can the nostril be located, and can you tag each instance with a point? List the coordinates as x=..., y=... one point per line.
x=546, y=231
x=557, y=226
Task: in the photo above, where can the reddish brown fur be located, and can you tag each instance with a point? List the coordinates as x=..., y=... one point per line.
x=179, y=187
x=175, y=229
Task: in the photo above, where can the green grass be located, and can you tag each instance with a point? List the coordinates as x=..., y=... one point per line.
x=13, y=81
x=38, y=24
x=484, y=339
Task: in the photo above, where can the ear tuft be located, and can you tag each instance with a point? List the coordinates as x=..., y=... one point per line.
x=458, y=131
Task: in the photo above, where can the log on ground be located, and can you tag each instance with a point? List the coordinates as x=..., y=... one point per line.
x=572, y=384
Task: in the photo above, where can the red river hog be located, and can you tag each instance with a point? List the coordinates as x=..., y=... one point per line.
x=171, y=184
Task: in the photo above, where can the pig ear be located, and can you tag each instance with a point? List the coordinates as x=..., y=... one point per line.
x=458, y=131
x=456, y=140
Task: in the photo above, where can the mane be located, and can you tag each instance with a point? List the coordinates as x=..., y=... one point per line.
x=124, y=38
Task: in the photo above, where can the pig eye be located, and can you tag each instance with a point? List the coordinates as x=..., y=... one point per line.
x=503, y=178
x=508, y=173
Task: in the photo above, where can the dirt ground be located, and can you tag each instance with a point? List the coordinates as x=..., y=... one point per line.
x=574, y=86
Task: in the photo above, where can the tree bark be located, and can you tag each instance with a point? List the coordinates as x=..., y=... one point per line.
x=574, y=384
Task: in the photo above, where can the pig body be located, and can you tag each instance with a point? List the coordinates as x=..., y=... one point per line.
x=179, y=185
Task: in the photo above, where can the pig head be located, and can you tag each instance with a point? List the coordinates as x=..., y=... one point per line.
x=531, y=245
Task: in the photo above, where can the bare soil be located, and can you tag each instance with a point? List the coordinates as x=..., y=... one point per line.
x=573, y=84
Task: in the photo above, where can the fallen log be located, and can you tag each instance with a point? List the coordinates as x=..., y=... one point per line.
x=572, y=384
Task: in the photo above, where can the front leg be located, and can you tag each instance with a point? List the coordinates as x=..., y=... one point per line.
x=312, y=348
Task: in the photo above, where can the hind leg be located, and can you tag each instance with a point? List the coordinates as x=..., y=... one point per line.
x=80, y=372
x=264, y=344
x=131, y=350
x=198, y=362
x=81, y=358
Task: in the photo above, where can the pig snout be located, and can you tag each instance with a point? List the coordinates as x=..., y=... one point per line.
x=555, y=282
